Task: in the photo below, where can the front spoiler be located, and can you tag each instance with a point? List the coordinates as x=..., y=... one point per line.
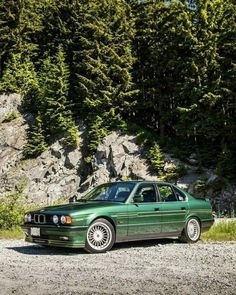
x=55, y=243
x=62, y=236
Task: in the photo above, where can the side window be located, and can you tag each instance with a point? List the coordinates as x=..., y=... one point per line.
x=180, y=195
x=166, y=193
x=122, y=194
x=145, y=193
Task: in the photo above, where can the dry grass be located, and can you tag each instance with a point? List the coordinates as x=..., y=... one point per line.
x=15, y=233
x=223, y=231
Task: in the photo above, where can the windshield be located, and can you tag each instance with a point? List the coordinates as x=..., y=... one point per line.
x=110, y=192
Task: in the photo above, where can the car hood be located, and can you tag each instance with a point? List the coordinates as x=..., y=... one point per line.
x=70, y=208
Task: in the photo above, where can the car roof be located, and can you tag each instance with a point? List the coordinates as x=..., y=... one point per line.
x=140, y=181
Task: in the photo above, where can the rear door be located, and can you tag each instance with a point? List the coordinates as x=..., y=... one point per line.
x=144, y=212
x=173, y=208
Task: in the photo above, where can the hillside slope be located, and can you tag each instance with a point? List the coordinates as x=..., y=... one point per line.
x=62, y=172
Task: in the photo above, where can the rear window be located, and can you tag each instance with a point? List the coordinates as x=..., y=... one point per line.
x=179, y=195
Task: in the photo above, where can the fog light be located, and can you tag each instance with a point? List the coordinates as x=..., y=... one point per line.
x=64, y=238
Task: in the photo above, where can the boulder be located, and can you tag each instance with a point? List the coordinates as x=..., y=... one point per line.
x=8, y=104
x=72, y=159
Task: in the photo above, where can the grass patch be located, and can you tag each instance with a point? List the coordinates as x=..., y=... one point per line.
x=223, y=231
x=11, y=116
x=15, y=233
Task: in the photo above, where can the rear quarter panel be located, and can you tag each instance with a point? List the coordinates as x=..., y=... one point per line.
x=201, y=209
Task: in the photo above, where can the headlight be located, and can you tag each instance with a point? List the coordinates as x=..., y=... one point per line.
x=66, y=219
x=63, y=219
x=55, y=219
x=28, y=217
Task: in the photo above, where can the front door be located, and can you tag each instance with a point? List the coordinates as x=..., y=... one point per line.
x=144, y=213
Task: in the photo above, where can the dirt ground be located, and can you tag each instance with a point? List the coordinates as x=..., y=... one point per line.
x=150, y=267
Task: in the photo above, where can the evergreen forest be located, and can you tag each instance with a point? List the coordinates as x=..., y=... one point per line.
x=115, y=64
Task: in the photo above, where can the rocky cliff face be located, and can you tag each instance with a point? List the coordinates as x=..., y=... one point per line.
x=118, y=157
x=52, y=175
x=59, y=172
x=12, y=134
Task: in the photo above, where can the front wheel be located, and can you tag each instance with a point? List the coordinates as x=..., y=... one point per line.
x=100, y=236
x=192, y=231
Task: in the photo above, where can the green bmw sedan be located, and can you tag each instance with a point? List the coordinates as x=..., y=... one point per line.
x=120, y=211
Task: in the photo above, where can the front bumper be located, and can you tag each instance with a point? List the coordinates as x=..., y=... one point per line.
x=59, y=236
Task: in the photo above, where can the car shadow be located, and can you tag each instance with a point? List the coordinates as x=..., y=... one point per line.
x=144, y=243
x=42, y=250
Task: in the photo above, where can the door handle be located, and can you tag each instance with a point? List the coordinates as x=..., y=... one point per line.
x=157, y=209
x=183, y=208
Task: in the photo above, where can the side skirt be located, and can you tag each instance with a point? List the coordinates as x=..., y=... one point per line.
x=140, y=237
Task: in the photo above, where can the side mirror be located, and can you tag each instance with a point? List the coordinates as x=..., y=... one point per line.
x=137, y=199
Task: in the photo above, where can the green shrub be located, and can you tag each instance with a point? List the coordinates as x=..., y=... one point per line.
x=174, y=172
x=144, y=136
x=12, y=208
x=71, y=138
x=11, y=212
x=200, y=186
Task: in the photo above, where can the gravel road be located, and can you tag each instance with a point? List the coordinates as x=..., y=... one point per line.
x=151, y=267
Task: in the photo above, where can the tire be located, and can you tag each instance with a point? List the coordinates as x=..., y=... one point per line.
x=192, y=231
x=100, y=236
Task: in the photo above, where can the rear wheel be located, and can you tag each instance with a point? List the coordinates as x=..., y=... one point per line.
x=100, y=236
x=192, y=231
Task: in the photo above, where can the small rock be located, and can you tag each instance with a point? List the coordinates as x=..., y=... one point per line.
x=72, y=159
x=193, y=159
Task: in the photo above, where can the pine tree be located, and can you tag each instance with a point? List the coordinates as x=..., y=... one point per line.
x=164, y=65
x=53, y=98
x=19, y=75
x=143, y=70
x=204, y=93
x=156, y=158
x=227, y=103
x=20, y=22
x=159, y=64
x=102, y=62
x=60, y=20
x=202, y=118
x=36, y=143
